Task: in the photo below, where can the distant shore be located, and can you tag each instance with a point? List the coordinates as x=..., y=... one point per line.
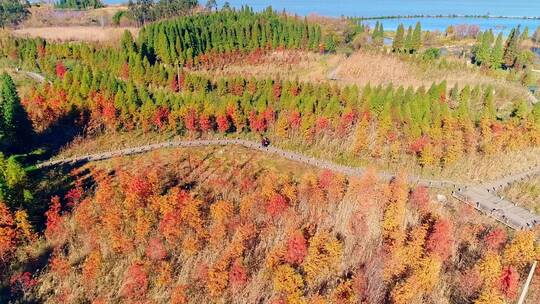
x=449, y=16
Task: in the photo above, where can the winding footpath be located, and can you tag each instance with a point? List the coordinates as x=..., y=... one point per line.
x=483, y=197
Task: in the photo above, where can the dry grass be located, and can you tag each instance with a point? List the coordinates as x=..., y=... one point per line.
x=76, y=33
x=526, y=193
x=377, y=68
x=45, y=16
x=305, y=66
x=374, y=68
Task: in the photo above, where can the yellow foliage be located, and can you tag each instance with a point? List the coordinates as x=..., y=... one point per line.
x=289, y=191
x=275, y=257
x=164, y=277
x=521, y=251
x=324, y=255
x=395, y=264
x=490, y=268
x=422, y=280
x=218, y=278
x=246, y=206
x=24, y=226
x=361, y=134
x=490, y=295
x=428, y=273
x=190, y=245
x=317, y=299
x=221, y=211
x=344, y=294
x=287, y=281
x=394, y=213
x=415, y=247
x=143, y=224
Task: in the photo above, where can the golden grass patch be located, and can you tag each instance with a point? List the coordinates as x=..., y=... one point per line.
x=76, y=33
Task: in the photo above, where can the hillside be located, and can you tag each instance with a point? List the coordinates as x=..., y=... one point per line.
x=245, y=228
x=241, y=156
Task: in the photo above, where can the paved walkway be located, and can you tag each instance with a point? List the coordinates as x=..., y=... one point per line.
x=484, y=197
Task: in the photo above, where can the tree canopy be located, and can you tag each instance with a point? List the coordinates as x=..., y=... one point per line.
x=13, y=12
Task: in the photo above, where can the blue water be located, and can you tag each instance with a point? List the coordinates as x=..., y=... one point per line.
x=371, y=8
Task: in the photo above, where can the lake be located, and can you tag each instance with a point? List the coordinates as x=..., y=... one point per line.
x=372, y=8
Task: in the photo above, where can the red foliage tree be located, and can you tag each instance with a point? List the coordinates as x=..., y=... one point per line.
x=418, y=145
x=204, y=122
x=7, y=233
x=276, y=205
x=190, y=120
x=325, y=179
x=470, y=282
x=161, y=116
x=222, y=123
x=509, y=283
x=322, y=124
x=237, y=274
x=295, y=119
x=495, y=239
x=22, y=282
x=135, y=283
x=440, y=241
x=60, y=69
x=156, y=250
x=420, y=198
x=296, y=249
x=54, y=220
x=257, y=123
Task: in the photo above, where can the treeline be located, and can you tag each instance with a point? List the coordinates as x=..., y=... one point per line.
x=78, y=4
x=182, y=39
x=497, y=53
x=13, y=12
x=380, y=122
x=116, y=89
x=408, y=43
x=143, y=11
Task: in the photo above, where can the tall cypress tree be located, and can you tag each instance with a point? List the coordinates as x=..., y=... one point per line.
x=408, y=40
x=511, y=48
x=497, y=53
x=399, y=40
x=482, y=51
x=416, y=42
x=15, y=127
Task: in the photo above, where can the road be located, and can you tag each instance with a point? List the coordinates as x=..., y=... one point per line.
x=482, y=197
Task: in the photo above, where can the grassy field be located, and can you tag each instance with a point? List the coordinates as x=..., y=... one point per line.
x=375, y=68
x=305, y=66
x=46, y=16
x=526, y=193
x=76, y=33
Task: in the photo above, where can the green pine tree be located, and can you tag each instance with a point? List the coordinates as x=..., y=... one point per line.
x=408, y=40
x=15, y=127
x=399, y=41
x=511, y=50
x=416, y=42
x=497, y=54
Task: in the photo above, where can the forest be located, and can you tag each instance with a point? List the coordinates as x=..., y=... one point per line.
x=231, y=225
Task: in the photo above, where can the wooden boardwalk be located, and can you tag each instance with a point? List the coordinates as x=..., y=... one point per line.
x=483, y=197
